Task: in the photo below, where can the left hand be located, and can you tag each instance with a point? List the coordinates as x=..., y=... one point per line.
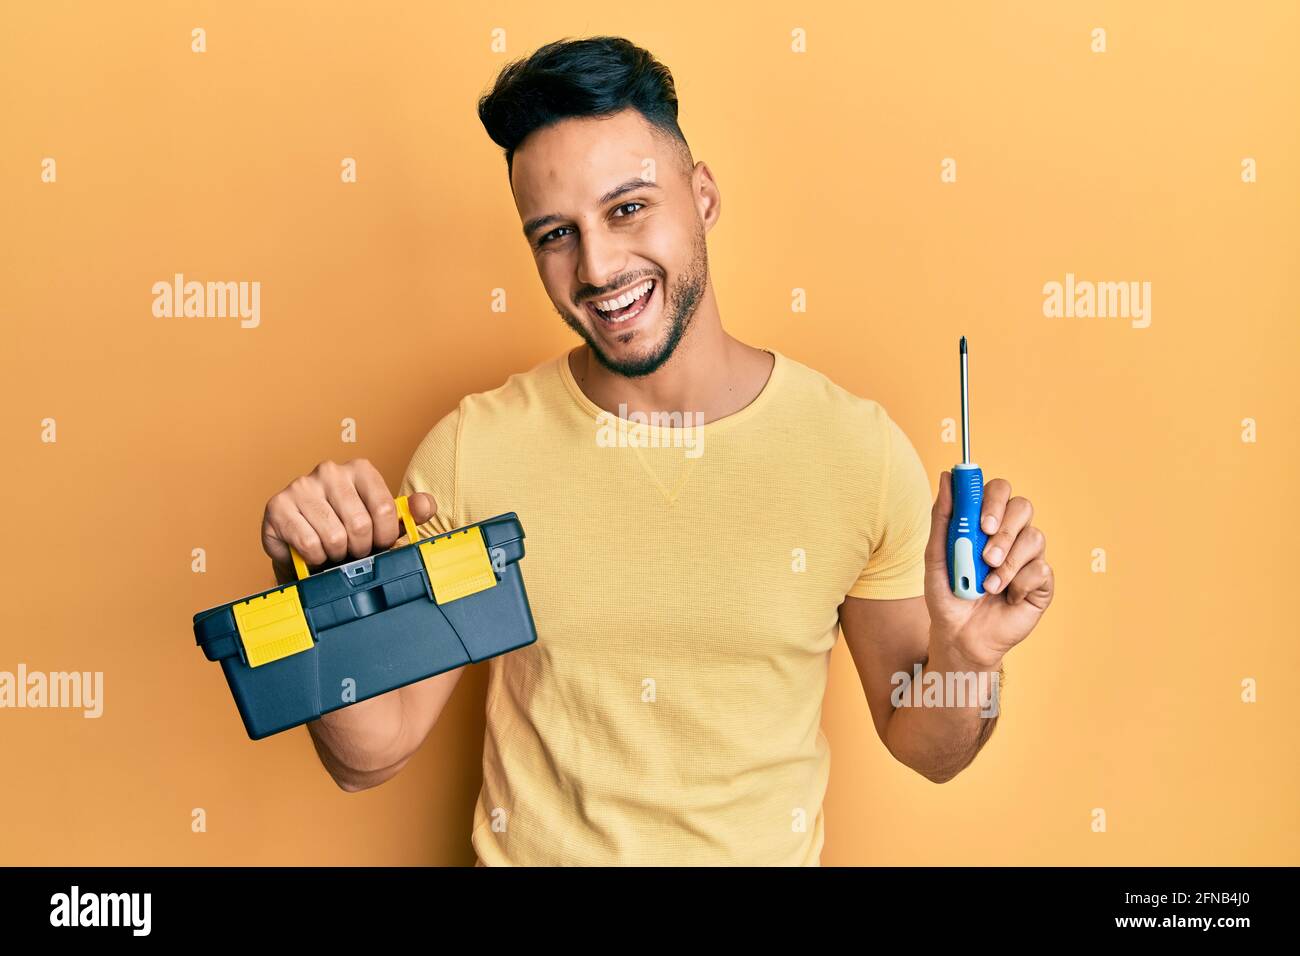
x=1018, y=589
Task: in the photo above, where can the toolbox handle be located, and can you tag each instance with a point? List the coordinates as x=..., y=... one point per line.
x=408, y=521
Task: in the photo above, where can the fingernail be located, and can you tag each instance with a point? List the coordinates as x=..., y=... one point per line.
x=990, y=523
x=992, y=583
x=995, y=556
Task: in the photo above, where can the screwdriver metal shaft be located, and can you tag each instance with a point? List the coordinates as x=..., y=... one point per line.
x=966, y=540
x=965, y=406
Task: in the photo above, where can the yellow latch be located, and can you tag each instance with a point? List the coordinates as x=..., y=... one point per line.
x=272, y=626
x=458, y=563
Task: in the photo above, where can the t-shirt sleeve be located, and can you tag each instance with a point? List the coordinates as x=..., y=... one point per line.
x=433, y=468
x=896, y=568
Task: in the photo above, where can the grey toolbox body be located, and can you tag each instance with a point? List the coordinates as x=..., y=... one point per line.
x=295, y=652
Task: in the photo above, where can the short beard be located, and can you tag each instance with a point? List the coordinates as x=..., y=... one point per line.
x=680, y=304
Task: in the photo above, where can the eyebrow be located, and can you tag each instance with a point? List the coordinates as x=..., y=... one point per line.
x=532, y=225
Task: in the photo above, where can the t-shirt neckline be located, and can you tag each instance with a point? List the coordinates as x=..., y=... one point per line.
x=761, y=400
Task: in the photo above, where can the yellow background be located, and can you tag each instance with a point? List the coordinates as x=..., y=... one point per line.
x=173, y=433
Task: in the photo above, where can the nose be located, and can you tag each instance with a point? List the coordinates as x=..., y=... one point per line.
x=601, y=259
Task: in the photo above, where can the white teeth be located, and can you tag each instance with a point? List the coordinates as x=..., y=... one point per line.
x=626, y=299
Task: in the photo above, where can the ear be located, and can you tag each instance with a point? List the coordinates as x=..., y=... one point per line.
x=708, y=198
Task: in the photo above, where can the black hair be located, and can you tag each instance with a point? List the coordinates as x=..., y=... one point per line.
x=595, y=76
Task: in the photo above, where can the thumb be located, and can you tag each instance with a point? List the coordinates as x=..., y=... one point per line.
x=936, y=557
x=423, y=506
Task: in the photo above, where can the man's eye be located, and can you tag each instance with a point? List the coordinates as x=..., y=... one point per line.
x=555, y=233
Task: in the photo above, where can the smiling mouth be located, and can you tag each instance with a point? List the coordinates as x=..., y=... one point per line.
x=626, y=312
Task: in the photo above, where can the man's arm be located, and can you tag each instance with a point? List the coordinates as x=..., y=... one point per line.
x=947, y=635
x=887, y=638
x=366, y=743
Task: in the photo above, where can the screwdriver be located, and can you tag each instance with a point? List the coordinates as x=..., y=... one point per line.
x=966, y=567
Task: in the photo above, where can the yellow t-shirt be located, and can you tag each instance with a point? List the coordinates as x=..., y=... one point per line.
x=685, y=584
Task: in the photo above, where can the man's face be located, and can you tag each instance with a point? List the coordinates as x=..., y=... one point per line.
x=601, y=232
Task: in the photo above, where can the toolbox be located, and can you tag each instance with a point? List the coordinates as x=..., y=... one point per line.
x=340, y=636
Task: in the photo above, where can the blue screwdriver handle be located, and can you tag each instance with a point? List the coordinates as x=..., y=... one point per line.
x=966, y=567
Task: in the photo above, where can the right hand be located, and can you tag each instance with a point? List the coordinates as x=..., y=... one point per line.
x=336, y=513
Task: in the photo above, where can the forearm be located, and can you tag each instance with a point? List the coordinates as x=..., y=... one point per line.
x=362, y=745
x=944, y=718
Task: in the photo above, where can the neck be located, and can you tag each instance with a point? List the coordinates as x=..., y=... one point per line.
x=710, y=371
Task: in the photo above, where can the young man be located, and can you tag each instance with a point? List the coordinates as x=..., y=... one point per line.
x=703, y=517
